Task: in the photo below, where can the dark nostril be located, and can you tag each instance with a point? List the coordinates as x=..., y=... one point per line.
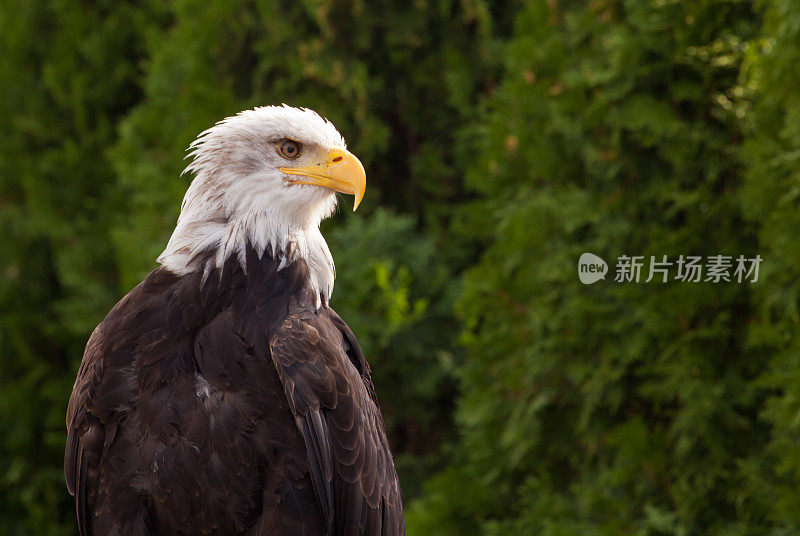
x=337, y=160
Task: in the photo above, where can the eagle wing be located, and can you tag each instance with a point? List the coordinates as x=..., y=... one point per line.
x=78, y=428
x=330, y=394
x=100, y=395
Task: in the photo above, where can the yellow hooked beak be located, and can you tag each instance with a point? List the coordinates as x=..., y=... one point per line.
x=341, y=171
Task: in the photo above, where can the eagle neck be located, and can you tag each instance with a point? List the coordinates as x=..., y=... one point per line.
x=209, y=243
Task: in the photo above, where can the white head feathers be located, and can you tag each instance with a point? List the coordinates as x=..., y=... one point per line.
x=239, y=195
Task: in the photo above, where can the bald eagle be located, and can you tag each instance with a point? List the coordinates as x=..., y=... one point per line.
x=223, y=395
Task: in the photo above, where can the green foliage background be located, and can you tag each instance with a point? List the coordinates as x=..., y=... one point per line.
x=501, y=140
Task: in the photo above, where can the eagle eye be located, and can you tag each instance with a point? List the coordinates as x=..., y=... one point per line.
x=289, y=149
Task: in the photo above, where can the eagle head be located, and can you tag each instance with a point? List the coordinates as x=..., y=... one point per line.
x=266, y=178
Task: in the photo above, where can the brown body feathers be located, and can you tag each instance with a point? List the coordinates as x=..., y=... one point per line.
x=228, y=405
